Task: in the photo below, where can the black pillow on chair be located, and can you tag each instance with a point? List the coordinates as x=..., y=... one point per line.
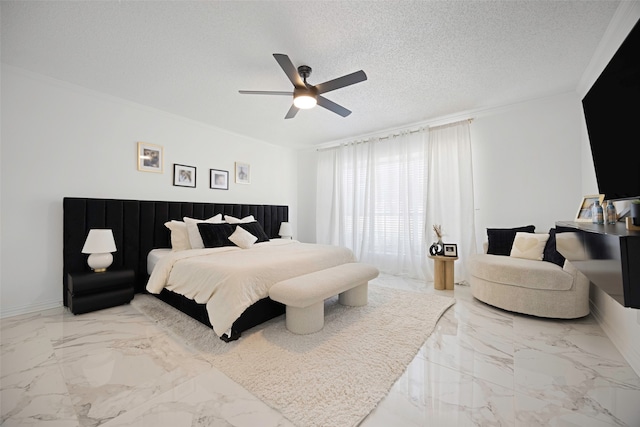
x=501, y=239
x=550, y=253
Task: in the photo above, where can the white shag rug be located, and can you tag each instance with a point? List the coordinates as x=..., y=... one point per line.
x=334, y=377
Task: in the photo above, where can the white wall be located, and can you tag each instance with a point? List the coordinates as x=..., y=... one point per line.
x=306, y=227
x=526, y=164
x=621, y=324
x=61, y=140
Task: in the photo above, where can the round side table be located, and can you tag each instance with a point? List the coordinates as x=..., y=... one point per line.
x=443, y=271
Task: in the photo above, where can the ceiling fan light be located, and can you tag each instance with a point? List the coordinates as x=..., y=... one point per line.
x=305, y=102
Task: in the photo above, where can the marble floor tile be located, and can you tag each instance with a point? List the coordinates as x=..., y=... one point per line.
x=482, y=366
x=209, y=399
x=431, y=394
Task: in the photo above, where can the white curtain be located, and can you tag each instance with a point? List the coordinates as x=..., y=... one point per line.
x=380, y=198
x=450, y=190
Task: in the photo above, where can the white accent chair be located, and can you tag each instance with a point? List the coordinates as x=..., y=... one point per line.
x=538, y=288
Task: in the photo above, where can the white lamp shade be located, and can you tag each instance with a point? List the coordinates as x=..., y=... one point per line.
x=99, y=245
x=99, y=241
x=285, y=230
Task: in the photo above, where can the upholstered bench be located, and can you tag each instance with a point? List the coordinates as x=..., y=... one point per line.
x=304, y=295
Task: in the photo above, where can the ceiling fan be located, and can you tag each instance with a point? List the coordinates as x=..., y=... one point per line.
x=305, y=95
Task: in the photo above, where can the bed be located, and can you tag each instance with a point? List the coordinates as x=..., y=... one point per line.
x=138, y=228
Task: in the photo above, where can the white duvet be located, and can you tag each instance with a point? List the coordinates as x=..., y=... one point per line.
x=230, y=279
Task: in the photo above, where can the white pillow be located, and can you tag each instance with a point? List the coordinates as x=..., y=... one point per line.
x=529, y=245
x=233, y=220
x=195, y=240
x=179, y=235
x=243, y=238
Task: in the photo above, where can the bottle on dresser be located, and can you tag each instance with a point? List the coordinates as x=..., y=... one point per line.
x=612, y=214
x=597, y=214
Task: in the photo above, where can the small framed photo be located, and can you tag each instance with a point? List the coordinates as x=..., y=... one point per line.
x=584, y=210
x=219, y=179
x=150, y=157
x=184, y=176
x=243, y=173
x=450, y=249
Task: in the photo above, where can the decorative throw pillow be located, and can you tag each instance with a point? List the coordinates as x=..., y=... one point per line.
x=233, y=220
x=501, y=239
x=179, y=235
x=529, y=245
x=215, y=235
x=192, y=229
x=551, y=254
x=256, y=229
x=243, y=238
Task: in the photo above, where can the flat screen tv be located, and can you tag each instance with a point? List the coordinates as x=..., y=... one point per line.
x=612, y=114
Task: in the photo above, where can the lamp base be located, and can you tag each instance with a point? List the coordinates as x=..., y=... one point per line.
x=100, y=262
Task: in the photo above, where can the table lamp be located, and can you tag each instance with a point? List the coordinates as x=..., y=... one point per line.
x=285, y=230
x=99, y=245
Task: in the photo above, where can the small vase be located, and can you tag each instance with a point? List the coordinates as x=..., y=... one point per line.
x=635, y=213
x=437, y=248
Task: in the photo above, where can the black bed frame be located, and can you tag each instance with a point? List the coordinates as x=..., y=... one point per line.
x=138, y=227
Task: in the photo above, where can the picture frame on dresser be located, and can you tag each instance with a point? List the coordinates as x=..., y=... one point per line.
x=184, y=176
x=584, y=210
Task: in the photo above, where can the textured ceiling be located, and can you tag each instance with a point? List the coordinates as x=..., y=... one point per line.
x=424, y=60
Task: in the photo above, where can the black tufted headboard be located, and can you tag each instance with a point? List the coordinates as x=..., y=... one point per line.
x=138, y=227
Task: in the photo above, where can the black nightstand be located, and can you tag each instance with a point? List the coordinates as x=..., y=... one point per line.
x=94, y=291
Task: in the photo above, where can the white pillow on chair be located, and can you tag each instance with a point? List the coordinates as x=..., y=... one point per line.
x=529, y=245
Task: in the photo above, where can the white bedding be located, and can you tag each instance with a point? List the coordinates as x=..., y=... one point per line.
x=154, y=256
x=230, y=279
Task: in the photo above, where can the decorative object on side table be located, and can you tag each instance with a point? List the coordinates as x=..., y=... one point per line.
x=99, y=245
x=450, y=249
x=437, y=248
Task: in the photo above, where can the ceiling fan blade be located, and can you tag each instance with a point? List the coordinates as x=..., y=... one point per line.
x=292, y=112
x=332, y=106
x=349, y=79
x=289, y=69
x=264, y=92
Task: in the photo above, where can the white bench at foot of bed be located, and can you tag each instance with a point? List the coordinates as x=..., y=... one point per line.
x=304, y=295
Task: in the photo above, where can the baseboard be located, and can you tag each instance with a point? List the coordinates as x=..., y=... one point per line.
x=30, y=308
x=630, y=354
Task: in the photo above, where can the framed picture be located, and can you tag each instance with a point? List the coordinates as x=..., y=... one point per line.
x=150, y=158
x=243, y=173
x=450, y=249
x=184, y=176
x=584, y=210
x=219, y=179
